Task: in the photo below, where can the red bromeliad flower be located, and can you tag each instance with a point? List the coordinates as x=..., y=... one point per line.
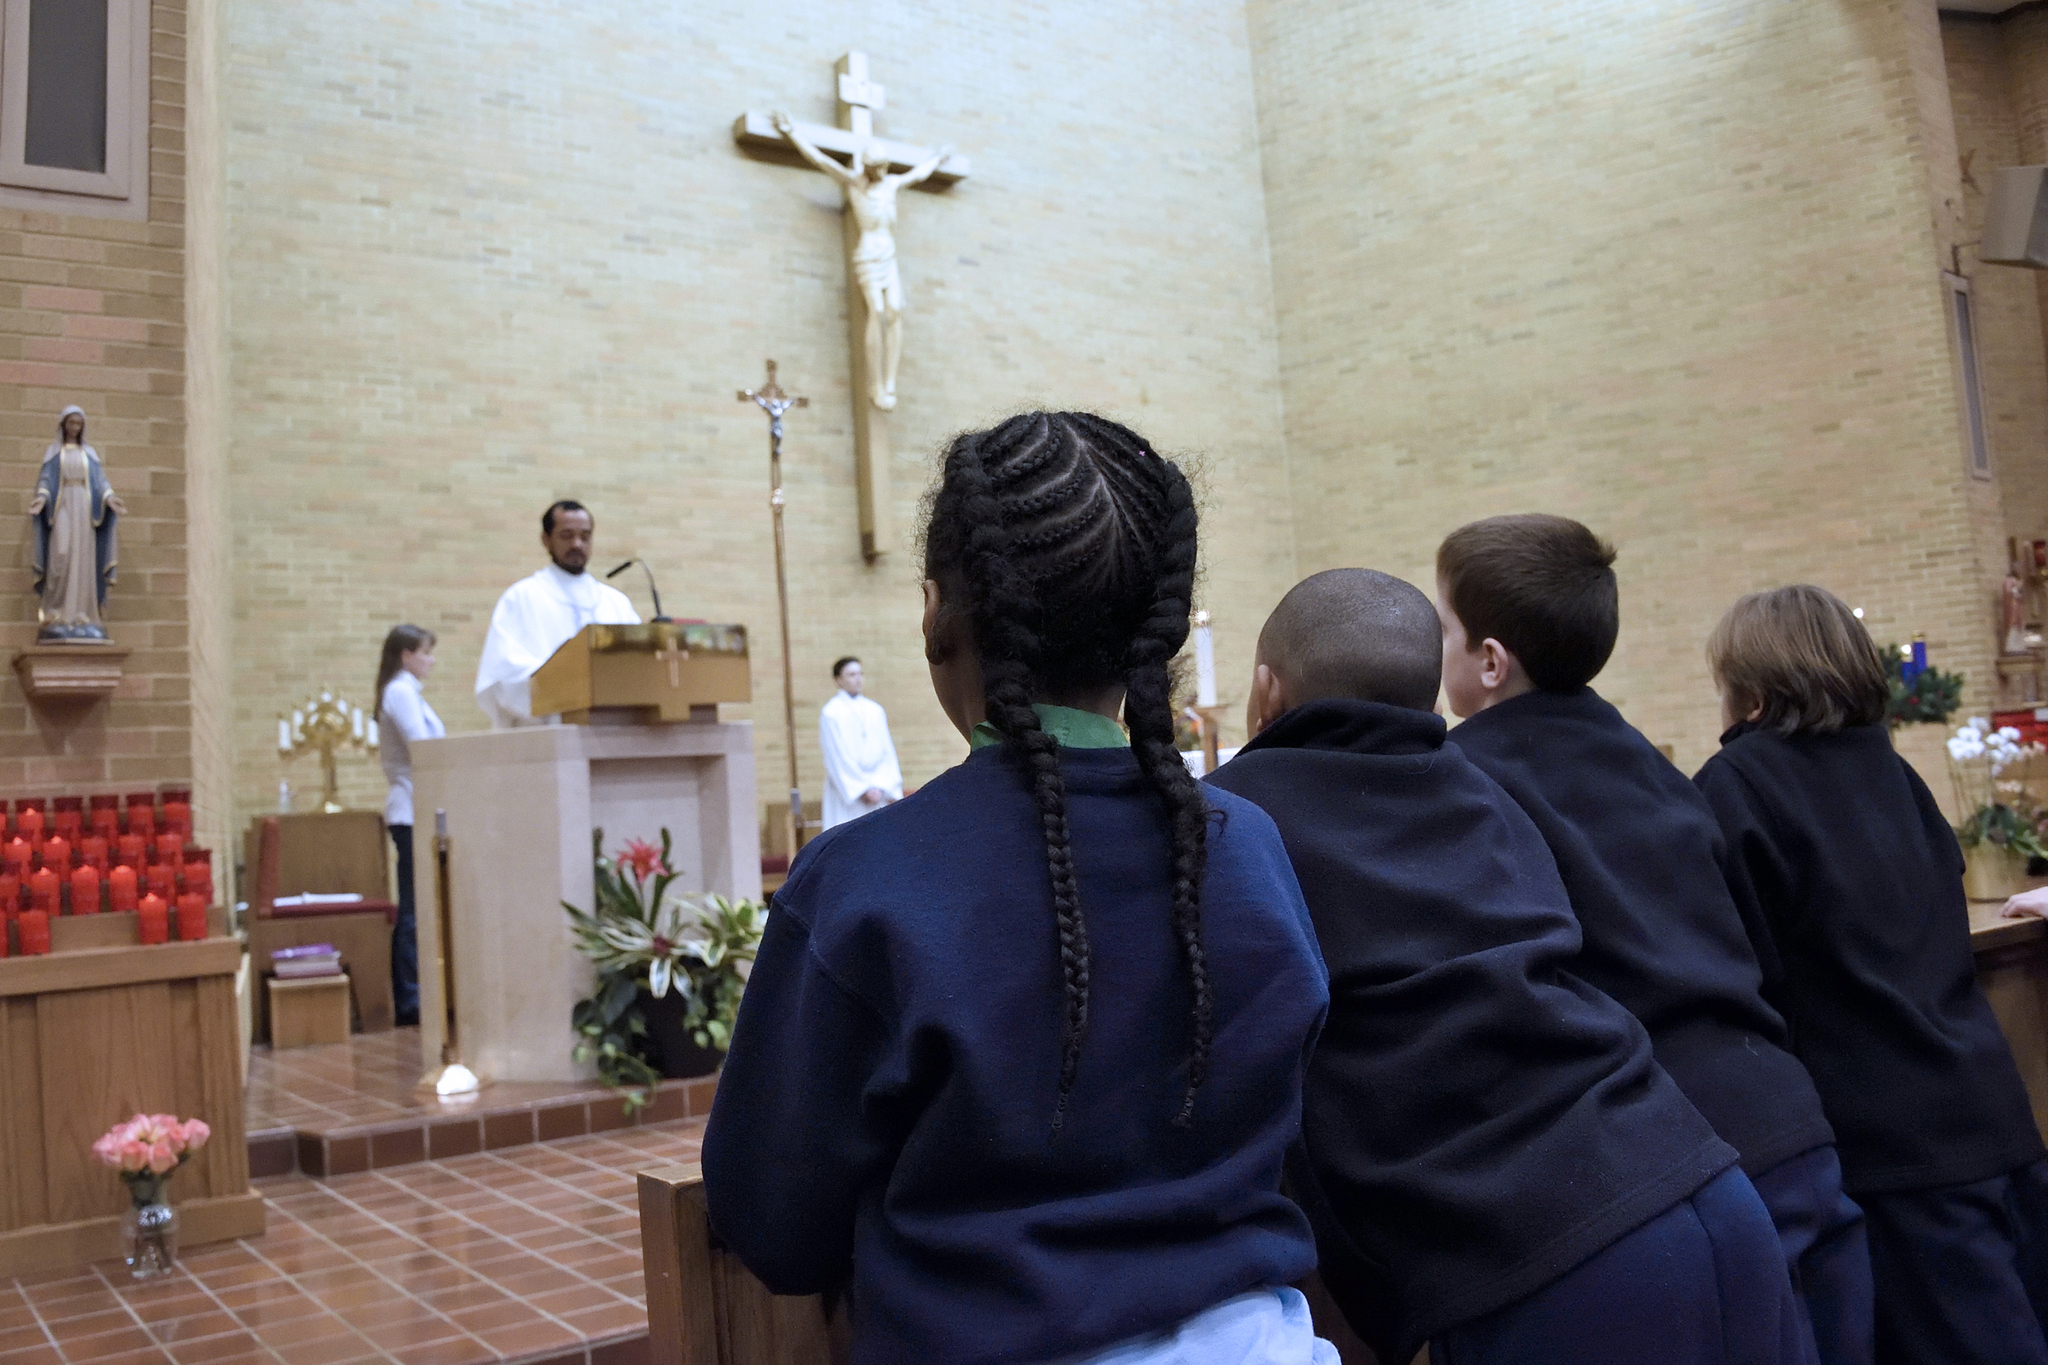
x=644, y=858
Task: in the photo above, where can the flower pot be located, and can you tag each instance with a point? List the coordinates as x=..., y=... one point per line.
x=1992, y=873
x=676, y=1055
x=149, y=1232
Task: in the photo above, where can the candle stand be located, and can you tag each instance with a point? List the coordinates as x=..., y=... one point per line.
x=326, y=727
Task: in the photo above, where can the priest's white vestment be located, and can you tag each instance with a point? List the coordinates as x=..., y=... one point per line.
x=859, y=755
x=537, y=616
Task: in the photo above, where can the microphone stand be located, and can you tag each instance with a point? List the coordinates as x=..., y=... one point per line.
x=660, y=618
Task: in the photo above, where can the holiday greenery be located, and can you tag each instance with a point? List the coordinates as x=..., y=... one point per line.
x=1930, y=696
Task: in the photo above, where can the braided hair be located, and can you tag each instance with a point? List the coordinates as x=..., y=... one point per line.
x=1070, y=548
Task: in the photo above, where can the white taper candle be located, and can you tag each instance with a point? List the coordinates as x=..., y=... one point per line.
x=1205, y=662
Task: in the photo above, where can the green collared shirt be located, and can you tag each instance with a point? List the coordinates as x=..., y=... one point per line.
x=1073, y=729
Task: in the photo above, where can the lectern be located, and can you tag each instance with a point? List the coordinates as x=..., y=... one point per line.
x=659, y=671
x=648, y=753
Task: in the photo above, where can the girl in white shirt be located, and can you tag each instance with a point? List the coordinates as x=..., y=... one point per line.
x=404, y=718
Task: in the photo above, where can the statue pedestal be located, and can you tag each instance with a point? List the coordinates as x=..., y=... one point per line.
x=84, y=672
x=521, y=805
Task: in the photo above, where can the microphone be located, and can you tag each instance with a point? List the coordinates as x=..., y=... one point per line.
x=654, y=592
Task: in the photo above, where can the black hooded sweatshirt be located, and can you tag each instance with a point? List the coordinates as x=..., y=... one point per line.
x=1850, y=881
x=1640, y=851
x=1476, y=1120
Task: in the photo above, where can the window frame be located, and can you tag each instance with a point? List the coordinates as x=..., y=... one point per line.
x=122, y=190
x=1966, y=346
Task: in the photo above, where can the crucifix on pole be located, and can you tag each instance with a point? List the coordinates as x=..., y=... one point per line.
x=772, y=400
x=874, y=169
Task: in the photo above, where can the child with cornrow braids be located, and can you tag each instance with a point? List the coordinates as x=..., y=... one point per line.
x=986, y=1077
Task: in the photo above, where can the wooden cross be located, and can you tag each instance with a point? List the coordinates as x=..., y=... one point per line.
x=858, y=100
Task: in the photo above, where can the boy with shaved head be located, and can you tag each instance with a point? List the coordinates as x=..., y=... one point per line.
x=1493, y=1160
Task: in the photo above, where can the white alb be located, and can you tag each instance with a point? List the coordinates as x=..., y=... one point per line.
x=859, y=756
x=537, y=616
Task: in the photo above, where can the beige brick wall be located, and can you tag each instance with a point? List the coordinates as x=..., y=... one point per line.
x=1671, y=270
x=483, y=257
x=91, y=312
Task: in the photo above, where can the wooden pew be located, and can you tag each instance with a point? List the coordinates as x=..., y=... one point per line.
x=703, y=1306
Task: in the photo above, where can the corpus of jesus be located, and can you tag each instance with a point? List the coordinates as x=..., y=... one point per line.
x=1257, y=683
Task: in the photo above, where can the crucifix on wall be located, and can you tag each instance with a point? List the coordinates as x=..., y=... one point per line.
x=873, y=170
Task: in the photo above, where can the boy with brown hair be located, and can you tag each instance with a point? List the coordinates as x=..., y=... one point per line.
x=1850, y=880
x=1530, y=611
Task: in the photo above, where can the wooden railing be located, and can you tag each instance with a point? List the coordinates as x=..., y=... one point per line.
x=703, y=1306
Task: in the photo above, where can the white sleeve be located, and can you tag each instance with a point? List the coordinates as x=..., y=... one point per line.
x=838, y=771
x=508, y=651
x=406, y=712
x=509, y=703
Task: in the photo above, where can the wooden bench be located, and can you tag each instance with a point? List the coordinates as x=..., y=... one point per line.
x=703, y=1306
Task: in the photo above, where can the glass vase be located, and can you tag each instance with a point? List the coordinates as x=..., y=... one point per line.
x=149, y=1232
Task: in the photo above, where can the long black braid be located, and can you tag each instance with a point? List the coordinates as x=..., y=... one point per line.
x=1071, y=548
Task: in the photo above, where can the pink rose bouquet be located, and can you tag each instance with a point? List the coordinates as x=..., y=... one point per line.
x=147, y=1148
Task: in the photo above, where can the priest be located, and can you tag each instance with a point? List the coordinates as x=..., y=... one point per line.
x=860, y=758
x=542, y=612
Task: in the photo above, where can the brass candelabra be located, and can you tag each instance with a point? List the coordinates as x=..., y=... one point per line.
x=326, y=726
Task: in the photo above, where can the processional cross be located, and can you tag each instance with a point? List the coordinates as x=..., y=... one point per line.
x=875, y=170
x=772, y=400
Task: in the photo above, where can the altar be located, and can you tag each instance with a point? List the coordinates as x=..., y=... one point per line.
x=520, y=810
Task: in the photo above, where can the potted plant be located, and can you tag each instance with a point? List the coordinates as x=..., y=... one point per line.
x=2002, y=832
x=671, y=967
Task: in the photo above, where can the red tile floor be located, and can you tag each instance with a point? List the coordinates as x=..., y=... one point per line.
x=527, y=1254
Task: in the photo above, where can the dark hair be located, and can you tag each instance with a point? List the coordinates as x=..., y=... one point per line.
x=1541, y=585
x=1800, y=656
x=401, y=641
x=1070, y=548
x=1357, y=634
x=547, y=518
x=840, y=667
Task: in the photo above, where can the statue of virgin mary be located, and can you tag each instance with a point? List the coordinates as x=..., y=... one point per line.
x=74, y=511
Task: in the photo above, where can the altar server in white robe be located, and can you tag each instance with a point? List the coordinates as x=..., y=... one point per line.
x=860, y=759
x=540, y=613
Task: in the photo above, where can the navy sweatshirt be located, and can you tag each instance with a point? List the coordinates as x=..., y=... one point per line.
x=885, y=1114
x=1477, y=1120
x=1852, y=884
x=1640, y=850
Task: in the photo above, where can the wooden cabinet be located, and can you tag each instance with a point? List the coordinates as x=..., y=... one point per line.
x=89, y=1037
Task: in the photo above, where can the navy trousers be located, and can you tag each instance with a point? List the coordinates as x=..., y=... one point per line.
x=1827, y=1251
x=1702, y=1283
x=1962, y=1271
x=405, y=947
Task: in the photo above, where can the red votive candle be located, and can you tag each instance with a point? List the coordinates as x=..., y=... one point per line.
x=42, y=890
x=105, y=817
x=153, y=920
x=142, y=814
x=121, y=889
x=170, y=848
x=10, y=894
x=14, y=856
x=199, y=873
x=162, y=880
x=177, y=815
x=28, y=824
x=134, y=849
x=57, y=855
x=85, y=890
x=34, y=929
x=92, y=851
x=191, y=917
x=68, y=821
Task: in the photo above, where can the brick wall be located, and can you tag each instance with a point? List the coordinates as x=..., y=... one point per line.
x=486, y=257
x=91, y=312
x=1671, y=270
